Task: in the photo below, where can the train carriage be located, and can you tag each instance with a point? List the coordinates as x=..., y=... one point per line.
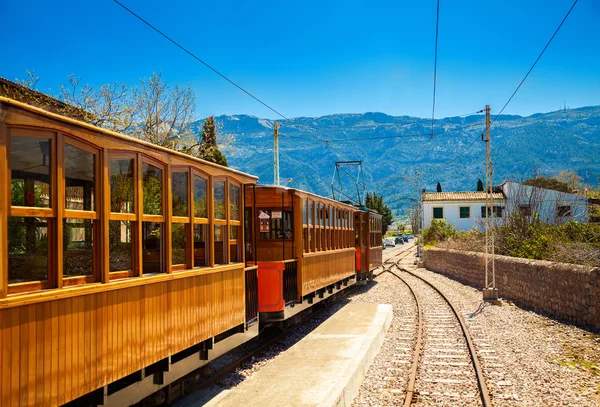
x=368, y=240
x=121, y=263
x=303, y=246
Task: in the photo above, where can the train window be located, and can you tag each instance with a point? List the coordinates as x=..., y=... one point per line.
x=179, y=189
x=152, y=248
x=234, y=202
x=279, y=227
x=152, y=189
x=201, y=246
x=121, y=185
x=219, y=199
x=120, y=245
x=235, y=254
x=78, y=247
x=310, y=212
x=220, y=246
x=80, y=179
x=178, y=244
x=27, y=249
x=304, y=212
x=200, y=197
x=30, y=163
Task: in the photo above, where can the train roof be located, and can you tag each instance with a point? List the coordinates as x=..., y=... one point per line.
x=306, y=194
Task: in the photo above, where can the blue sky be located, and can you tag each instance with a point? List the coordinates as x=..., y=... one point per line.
x=313, y=58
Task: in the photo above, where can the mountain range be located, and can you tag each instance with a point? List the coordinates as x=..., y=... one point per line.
x=393, y=148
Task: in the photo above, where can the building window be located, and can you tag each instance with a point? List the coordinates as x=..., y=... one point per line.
x=498, y=212
x=563, y=210
x=465, y=212
x=525, y=210
x=438, y=213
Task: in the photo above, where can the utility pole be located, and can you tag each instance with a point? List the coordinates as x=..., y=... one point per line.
x=420, y=247
x=490, y=292
x=276, y=154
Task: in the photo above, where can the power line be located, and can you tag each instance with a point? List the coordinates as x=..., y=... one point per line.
x=535, y=63
x=200, y=60
x=437, y=24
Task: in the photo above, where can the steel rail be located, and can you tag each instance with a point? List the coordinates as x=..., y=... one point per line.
x=483, y=391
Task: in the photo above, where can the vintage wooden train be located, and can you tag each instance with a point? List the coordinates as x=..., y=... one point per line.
x=125, y=266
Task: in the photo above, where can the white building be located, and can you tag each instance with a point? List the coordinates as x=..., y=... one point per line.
x=466, y=210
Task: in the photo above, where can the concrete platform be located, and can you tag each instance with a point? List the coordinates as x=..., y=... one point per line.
x=326, y=368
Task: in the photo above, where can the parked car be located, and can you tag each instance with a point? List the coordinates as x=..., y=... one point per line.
x=410, y=236
x=389, y=243
x=399, y=240
x=405, y=238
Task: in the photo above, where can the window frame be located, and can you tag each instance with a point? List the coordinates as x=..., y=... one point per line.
x=460, y=212
x=439, y=208
x=49, y=214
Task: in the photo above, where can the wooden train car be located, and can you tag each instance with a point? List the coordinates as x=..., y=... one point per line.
x=368, y=239
x=121, y=263
x=303, y=245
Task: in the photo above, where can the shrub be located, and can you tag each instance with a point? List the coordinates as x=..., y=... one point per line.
x=439, y=231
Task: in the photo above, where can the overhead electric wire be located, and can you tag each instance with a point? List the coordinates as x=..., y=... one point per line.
x=199, y=60
x=535, y=63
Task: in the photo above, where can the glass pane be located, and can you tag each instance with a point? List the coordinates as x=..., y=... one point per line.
x=200, y=197
x=180, y=194
x=234, y=202
x=80, y=179
x=121, y=185
x=27, y=250
x=235, y=254
x=30, y=171
x=152, y=183
x=152, y=248
x=220, y=200
x=178, y=243
x=201, y=245
x=120, y=247
x=78, y=245
x=233, y=232
x=304, y=212
x=220, y=244
x=310, y=213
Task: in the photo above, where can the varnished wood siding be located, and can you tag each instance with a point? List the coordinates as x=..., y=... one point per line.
x=55, y=351
x=319, y=270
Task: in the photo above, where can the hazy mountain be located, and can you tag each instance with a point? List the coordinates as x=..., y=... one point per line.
x=394, y=146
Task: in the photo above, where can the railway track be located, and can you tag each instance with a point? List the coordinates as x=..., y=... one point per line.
x=444, y=365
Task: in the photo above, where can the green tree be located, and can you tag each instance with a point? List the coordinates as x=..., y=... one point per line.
x=479, y=185
x=373, y=201
x=208, y=149
x=439, y=187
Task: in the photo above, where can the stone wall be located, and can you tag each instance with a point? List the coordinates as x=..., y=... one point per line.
x=565, y=291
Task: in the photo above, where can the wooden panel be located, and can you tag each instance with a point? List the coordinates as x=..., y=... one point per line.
x=321, y=269
x=5, y=196
x=55, y=351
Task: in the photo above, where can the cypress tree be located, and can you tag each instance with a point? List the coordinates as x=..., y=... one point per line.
x=439, y=187
x=208, y=149
x=479, y=185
